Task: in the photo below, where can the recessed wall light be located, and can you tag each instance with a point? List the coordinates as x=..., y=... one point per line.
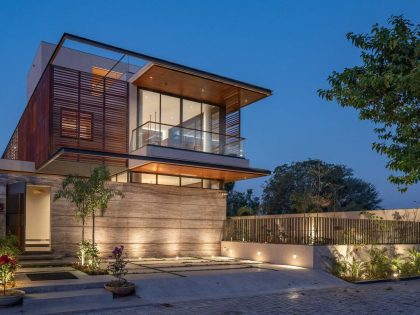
x=259, y=253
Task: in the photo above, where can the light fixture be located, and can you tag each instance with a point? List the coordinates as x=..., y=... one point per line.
x=294, y=256
x=202, y=90
x=176, y=257
x=395, y=275
x=150, y=77
x=139, y=258
x=230, y=251
x=259, y=253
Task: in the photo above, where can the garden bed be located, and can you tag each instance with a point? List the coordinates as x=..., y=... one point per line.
x=89, y=271
x=408, y=278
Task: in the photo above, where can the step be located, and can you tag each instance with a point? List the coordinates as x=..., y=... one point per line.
x=39, y=256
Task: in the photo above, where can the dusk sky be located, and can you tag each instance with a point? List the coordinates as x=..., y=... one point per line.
x=287, y=46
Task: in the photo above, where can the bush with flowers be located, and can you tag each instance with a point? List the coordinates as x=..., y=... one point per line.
x=117, y=267
x=8, y=266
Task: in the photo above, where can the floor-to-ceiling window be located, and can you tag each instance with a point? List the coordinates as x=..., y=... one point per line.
x=175, y=122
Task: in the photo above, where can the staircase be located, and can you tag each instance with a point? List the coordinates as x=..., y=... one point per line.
x=43, y=259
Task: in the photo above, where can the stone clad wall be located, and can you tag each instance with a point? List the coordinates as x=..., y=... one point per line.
x=150, y=221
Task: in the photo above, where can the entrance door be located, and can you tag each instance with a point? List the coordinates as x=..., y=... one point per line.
x=15, y=212
x=37, y=218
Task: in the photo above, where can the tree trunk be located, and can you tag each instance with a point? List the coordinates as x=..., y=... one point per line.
x=93, y=228
x=83, y=229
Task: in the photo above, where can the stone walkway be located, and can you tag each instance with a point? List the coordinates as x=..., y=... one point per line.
x=380, y=298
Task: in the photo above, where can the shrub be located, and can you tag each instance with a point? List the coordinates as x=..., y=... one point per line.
x=412, y=262
x=379, y=265
x=8, y=266
x=9, y=246
x=118, y=267
x=88, y=254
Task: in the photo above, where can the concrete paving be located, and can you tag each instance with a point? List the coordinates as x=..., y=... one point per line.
x=166, y=281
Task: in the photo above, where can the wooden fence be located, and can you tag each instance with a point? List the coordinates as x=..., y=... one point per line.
x=320, y=231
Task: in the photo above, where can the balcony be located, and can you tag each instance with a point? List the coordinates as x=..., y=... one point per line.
x=164, y=135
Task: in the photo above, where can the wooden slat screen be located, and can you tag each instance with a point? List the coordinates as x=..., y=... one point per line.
x=101, y=112
x=320, y=231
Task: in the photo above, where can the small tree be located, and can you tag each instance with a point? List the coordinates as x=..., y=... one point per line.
x=100, y=194
x=89, y=195
x=76, y=190
x=385, y=89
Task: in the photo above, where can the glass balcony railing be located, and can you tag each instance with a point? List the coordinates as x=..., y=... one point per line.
x=164, y=135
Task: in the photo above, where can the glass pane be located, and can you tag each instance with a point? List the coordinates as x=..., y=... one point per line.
x=149, y=106
x=168, y=180
x=211, y=124
x=122, y=178
x=191, y=115
x=191, y=182
x=170, y=110
x=143, y=178
x=211, y=184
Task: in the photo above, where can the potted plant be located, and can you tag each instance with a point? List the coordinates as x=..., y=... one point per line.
x=117, y=268
x=8, y=268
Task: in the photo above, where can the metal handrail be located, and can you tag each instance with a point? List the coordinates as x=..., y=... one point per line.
x=226, y=144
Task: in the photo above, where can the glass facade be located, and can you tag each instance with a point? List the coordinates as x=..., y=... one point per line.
x=182, y=123
x=167, y=180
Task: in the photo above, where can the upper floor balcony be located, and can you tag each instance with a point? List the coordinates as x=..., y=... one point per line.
x=165, y=135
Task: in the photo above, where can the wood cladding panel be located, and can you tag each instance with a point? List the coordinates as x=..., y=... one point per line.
x=166, y=80
x=102, y=105
x=199, y=172
x=31, y=139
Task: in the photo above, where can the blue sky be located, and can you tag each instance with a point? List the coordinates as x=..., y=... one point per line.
x=287, y=46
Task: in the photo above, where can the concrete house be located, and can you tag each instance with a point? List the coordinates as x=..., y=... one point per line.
x=169, y=134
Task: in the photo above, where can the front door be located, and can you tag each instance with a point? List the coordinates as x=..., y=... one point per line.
x=15, y=212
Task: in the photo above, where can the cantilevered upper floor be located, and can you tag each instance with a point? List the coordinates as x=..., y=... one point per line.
x=90, y=103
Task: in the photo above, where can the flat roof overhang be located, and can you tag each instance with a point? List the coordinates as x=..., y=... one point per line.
x=79, y=161
x=174, y=78
x=196, y=86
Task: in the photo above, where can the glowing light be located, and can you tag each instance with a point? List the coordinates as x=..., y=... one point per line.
x=230, y=251
x=176, y=257
x=139, y=258
x=294, y=256
x=259, y=253
x=395, y=275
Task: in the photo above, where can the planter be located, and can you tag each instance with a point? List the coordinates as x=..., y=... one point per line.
x=119, y=289
x=12, y=297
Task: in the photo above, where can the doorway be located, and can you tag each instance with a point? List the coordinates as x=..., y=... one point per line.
x=28, y=214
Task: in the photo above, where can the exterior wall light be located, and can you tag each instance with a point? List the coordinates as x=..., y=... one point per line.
x=230, y=251
x=294, y=256
x=259, y=253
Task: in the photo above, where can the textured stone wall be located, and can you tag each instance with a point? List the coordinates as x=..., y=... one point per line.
x=150, y=221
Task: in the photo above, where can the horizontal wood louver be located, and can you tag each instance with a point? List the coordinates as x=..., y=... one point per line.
x=101, y=107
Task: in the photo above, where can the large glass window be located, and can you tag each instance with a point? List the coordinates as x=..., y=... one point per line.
x=168, y=180
x=191, y=182
x=149, y=107
x=178, y=123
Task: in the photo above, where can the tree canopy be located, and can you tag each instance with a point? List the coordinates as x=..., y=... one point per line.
x=385, y=89
x=314, y=185
x=241, y=203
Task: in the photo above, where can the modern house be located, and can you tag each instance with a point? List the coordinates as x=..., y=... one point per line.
x=169, y=134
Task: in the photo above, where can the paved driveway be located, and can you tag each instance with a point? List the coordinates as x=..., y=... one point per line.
x=381, y=299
